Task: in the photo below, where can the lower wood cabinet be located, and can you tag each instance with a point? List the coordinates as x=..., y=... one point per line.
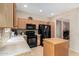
x=55, y=47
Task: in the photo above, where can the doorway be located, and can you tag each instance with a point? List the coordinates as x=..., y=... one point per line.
x=58, y=29
x=62, y=29
x=66, y=30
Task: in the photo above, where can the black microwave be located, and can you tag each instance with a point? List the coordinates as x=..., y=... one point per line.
x=30, y=26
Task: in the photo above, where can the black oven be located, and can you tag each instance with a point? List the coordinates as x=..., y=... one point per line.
x=31, y=36
x=30, y=26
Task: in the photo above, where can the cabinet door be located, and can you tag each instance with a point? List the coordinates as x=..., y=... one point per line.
x=9, y=14
x=2, y=15
x=14, y=16
x=6, y=15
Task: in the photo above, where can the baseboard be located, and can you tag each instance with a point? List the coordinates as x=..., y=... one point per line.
x=74, y=50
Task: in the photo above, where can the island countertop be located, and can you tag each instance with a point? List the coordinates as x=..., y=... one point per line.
x=55, y=40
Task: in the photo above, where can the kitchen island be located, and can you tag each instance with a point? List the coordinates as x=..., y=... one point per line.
x=55, y=47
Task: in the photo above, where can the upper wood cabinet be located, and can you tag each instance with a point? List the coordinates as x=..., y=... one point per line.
x=6, y=15
x=14, y=15
x=21, y=22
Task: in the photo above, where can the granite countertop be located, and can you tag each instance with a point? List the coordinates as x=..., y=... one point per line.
x=55, y=40
x=14, y=46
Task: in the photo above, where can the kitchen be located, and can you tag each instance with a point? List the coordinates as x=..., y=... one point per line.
x=14, y=25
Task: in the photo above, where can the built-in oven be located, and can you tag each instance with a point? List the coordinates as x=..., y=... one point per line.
x=31, y=36
x=30, y=26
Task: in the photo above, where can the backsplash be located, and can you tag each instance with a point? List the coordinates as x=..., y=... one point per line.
x=4, y=35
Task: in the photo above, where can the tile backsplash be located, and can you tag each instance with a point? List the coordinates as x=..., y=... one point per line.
x=1, y=31
x=4, y=35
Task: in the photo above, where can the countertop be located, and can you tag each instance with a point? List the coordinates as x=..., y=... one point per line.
x=55, y=40
x=14, y=46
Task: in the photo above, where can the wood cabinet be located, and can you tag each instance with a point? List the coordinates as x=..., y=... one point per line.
x=15, y=20
x=6, y=15
x=55, y=47
x=2, y=15
x=38, y=40
x=21, y=24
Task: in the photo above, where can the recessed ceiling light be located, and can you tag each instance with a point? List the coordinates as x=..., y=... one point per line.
x=52, y=14
x=25, y=6
x=41, y=10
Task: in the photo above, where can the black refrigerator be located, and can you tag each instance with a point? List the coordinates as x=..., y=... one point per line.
x=44, y=31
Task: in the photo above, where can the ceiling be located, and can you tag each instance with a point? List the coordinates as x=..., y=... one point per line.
x=47, y=8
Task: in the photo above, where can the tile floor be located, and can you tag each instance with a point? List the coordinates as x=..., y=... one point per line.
x=38, y=51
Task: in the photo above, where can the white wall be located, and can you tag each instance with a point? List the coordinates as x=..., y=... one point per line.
x=22, y=14
x=73, y=18
x=74, y=31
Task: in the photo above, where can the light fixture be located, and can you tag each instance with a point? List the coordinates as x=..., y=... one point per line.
x=52, y=14
x=25, y=6
x=41, y=10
